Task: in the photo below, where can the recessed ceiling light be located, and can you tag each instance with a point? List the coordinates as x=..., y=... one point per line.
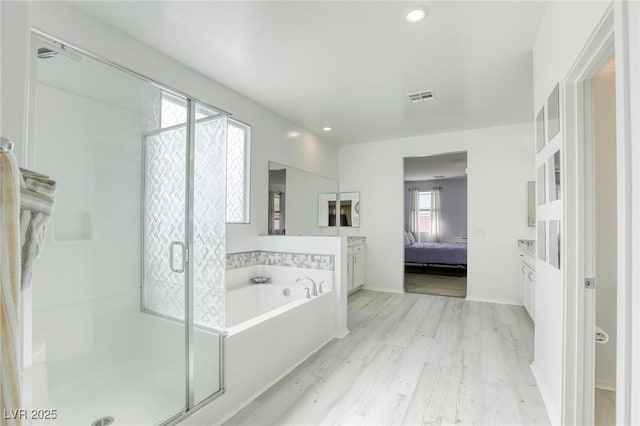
x=326, y=128
x=416, y=15
x=293, y=134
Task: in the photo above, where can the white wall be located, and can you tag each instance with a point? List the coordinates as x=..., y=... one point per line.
x=604, y=113
x=500, y=162
x=564, y=32
x=269, y=130
x=86, y=283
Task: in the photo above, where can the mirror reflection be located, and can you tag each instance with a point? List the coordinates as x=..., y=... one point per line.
x=294, y=200
x=342, y=209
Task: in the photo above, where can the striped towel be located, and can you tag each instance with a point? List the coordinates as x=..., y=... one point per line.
x=36, y=204
x=10, y=272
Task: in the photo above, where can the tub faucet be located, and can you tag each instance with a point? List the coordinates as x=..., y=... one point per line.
x=314, y=286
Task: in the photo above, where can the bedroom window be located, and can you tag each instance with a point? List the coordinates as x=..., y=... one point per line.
x=424, y=223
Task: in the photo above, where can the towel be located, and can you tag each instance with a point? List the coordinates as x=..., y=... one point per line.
x=36, y=204
x=10, y=282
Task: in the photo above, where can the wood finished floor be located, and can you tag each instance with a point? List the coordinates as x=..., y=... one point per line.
x=416, y=360
x=437, y=285
x=605, y=408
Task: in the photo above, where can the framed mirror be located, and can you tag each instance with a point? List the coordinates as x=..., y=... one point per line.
x=350, y=209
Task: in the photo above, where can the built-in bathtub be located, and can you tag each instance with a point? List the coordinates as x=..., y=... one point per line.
x=251, y=304
x=269, y=333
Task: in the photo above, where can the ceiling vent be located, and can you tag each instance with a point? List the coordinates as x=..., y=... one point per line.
x=416, y=97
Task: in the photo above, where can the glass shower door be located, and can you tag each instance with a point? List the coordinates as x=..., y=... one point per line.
x=208, y=250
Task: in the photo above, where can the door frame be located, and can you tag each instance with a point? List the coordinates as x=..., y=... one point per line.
x=610, y=35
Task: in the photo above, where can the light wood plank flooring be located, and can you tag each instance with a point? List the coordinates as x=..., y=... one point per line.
x=412, y=359
x=605, y=408
x=437, y=285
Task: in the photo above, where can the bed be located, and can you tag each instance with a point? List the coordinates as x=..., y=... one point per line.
x=454, y=254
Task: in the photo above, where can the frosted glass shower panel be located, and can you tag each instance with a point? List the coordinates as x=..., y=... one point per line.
x=209, y=211
x=165, y=171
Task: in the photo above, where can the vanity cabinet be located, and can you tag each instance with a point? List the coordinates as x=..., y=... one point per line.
x=356, y=259
x=528, y=278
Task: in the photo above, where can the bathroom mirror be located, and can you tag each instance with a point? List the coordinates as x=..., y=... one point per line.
x=348, y=214
x=294, y=201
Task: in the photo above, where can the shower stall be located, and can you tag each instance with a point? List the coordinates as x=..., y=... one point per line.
x=128, y=300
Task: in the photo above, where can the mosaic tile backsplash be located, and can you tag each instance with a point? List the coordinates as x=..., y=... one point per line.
x=324, y=262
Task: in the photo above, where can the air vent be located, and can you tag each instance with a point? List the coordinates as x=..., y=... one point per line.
x=421, y=96
x=438, y=177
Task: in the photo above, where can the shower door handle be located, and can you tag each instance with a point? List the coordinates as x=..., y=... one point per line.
x=183, y=255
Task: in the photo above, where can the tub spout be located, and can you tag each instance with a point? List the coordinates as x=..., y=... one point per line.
x=314, y=287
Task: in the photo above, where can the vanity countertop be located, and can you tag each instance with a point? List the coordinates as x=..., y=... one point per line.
x=354, y=241
x=527, y=246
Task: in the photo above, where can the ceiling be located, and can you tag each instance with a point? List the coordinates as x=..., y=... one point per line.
x=427, y=168
x=350, y=65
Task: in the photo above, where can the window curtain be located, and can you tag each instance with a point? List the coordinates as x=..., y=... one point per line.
x=436, y=222
x=414, y=212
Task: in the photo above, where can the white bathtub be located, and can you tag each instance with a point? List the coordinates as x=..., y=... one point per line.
x=252, y=304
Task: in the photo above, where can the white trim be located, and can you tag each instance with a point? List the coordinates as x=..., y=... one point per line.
x=497, y=301
x=383, y=290
x=546, y=397
x=579, y=370
x=341, y=335
x=578, y=381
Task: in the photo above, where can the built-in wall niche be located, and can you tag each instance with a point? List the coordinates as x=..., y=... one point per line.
x=553, y=168
x=540, y=130
x=553, y=113
x=554, y=243
x=541, y=185
x=541, y=243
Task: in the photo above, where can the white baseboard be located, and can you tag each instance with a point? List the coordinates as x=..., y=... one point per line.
x=383, y=290
x=263, y=389
x=554, y=414
x=608, y=385
x=498, y=301
x=341, y=335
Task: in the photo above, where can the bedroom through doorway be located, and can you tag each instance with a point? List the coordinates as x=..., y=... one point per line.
x=435, y=228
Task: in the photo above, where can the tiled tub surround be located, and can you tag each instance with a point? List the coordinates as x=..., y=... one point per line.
x=249, y=304
x=324, y=262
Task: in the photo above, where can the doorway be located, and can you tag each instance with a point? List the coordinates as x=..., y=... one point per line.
x=603, y=215
x=435, y=232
